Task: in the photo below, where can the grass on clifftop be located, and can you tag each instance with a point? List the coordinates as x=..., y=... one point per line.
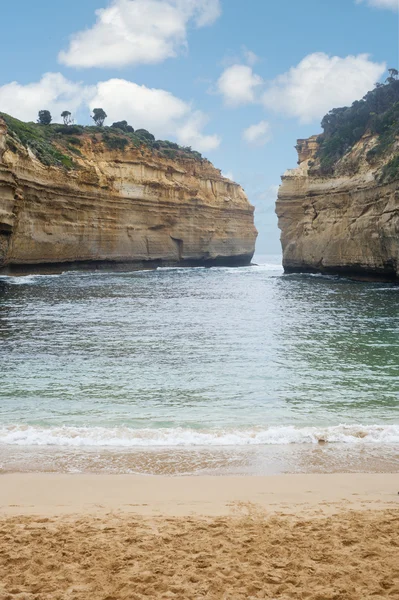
x=58, y=145
x=377, y=113
x=39, y=138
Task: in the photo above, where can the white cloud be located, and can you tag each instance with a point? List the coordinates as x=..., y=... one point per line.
x=258, y=134
x=190, y=133
x=133, y=32
x=53, y=92
x=205, y=12
x=250, y=57
x=319, y=83
x=228, y=175
x=389, y=4
x=151, y=108
x=157, y=110
x=238, y=85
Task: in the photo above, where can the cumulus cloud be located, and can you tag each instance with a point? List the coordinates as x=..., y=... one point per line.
x=190, y=133
x=258, y=134
x=238, y=85
x=320, y=82
x=154, y=109
x=389, y=4
x=53, y=92
x=133, y=32
x=151, y=108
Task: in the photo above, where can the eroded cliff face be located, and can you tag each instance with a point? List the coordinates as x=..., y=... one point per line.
x=126, y=207
x=344, y=223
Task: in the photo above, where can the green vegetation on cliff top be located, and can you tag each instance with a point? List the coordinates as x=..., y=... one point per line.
x=378, y=114
x=58, y=145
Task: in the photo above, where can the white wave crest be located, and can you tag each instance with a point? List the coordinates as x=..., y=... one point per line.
x=27, y=279
x=265, y=267
x=125, y=437
x=268, y=267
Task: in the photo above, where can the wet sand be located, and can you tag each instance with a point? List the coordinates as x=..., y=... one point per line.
x=257, y=460
x=112, y=537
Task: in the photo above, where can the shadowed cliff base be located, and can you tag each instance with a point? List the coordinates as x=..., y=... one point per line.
x=358, y=273
x=120, y=266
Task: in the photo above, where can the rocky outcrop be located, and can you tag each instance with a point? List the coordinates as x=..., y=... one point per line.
x=127, y=207
x=347, y=222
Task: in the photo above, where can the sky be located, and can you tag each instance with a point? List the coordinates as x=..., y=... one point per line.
x=238, y=81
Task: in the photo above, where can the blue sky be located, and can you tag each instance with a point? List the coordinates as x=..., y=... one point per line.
x=240, y=81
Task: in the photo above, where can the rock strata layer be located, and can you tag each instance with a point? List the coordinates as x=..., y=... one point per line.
x=130, y=208
x=345, y=223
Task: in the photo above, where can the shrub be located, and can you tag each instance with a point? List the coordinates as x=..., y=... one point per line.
x=75, y=150
x=94, y=129
x=75, y=141
x=114, y=142
x=196, y=155
x=343, y=127
x=67, y=162
x=48, y=143
x=169, y=153
x=40, y=140
x=69, y=129
x=167, y=144
x=123, y=126
x=145, y=135
x=390, y=171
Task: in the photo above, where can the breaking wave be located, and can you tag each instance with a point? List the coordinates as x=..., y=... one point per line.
x=28, y=279
x=125, y=437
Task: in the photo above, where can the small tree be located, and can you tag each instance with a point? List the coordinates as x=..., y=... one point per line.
x=45, y=117
x=67, y=117
x=99, y=116
x=393, y=75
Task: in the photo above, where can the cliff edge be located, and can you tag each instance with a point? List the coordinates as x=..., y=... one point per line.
x=86, y=196
x=338, y=211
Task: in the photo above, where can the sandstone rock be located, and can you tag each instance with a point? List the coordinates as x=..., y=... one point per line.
x=345, y=223
x=131, y=208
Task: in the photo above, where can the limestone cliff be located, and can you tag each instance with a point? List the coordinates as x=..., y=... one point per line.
x=345, y=220
x=131, y=206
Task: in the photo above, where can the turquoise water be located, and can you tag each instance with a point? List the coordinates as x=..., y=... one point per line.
x=225, y=362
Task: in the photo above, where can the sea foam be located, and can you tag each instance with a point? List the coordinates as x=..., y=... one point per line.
x=125, y=437
x=28, y=279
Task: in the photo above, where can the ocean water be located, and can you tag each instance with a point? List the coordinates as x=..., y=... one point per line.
x=219, y=370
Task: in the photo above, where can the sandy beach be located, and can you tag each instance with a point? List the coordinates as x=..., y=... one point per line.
x=319, y=537
x=59, y=494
